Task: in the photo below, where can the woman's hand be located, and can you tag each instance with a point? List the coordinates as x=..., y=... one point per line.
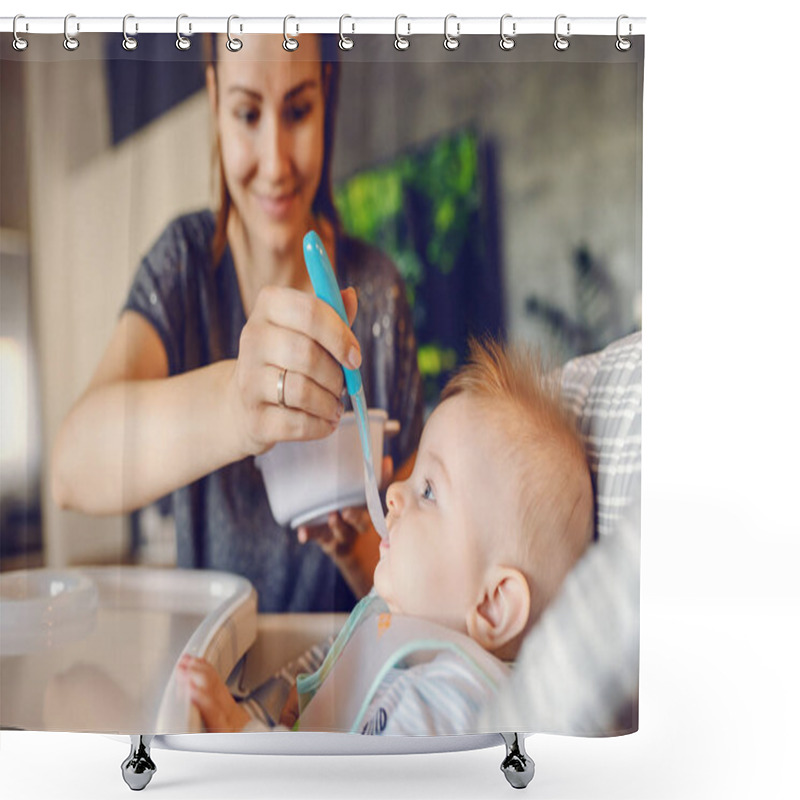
x=349, y=538
x=287, y=380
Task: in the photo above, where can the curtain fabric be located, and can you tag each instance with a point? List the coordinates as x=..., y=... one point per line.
x=479, y=192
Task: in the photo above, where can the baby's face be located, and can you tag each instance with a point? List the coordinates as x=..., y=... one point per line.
x=442, y=518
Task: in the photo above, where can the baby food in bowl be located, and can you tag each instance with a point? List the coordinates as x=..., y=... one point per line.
x=305, y=481
x=43, y=608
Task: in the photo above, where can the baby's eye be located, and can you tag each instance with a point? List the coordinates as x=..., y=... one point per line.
x=427, y=492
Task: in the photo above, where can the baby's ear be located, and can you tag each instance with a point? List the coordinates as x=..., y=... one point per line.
x=501, y=614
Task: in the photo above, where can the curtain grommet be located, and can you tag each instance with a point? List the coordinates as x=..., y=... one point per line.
x=561, y=42
x=233, y=44
x=181, y=42
x=129, y=43
x=345, y=42
x=71, y=43
x=290, y=44
x=18, y=43
x=507, y=41
x=451, y=42
x=622, y=44
x=401, y=42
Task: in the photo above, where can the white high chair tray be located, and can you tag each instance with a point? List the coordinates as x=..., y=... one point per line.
x=109, y=666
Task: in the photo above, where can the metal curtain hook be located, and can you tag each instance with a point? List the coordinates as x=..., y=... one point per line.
x=623, y=44
x=401, y=42
x=128, y=42
x=451, y=42
x=70, y=42
x=345, y=42
x=182, y=43
x=233, y=44
x=19, y=44
x=507, y=42
x=290, y=44
x=561, y=43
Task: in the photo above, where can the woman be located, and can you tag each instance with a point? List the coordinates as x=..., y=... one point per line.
x=222, y=350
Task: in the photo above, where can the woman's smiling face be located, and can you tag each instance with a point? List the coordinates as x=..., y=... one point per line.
x=270, y=113
x=441, y=519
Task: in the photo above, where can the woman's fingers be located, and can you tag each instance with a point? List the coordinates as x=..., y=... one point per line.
x=307, y=314
x=344, y=533
x=288, y=373
x=355, y=553
x=336, y=538
x=356, y=519
x=308, y=533
x=321, y=534
x=293, y=390
x=266, y=344
x=272, y=423
x=350, y=300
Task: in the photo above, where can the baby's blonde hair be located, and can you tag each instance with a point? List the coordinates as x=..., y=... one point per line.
x=555, y=513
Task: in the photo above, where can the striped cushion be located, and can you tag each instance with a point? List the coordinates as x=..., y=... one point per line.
x=604, y=392
x=578, y=669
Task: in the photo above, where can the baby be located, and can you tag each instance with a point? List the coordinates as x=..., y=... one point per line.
x=497, y=510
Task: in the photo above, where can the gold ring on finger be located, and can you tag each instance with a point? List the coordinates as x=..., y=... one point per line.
x=281, y=388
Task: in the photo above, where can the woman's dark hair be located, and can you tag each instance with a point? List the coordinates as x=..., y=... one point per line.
x=323, y=200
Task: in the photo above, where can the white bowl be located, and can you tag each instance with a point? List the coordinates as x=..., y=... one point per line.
x=44, y=608
x=307, y=480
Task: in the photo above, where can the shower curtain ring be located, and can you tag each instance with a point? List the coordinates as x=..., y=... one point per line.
x=290, y=44
x=561, y=42
x=128, y=42
x=70, y=42
x=451, y=42
x=182, y=43
x=401, y=42
x=345, y=42
x=623, y=44
x=507, y=42
x=233, y=44
x=19, y=44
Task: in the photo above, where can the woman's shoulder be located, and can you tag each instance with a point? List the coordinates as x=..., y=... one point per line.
x=197, y=226
x=185, y=240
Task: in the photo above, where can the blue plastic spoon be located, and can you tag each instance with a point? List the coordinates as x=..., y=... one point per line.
x=326, y=288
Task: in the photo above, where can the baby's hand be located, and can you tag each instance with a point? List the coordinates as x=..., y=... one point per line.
x=220, y=712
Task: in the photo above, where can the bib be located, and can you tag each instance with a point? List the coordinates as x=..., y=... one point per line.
x=336, y=697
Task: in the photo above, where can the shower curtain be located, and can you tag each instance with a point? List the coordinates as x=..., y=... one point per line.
x=498, y=188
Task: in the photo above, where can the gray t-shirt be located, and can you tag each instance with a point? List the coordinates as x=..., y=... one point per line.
x=223, y=520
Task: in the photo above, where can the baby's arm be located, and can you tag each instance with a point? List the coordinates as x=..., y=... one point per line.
x=220, y=712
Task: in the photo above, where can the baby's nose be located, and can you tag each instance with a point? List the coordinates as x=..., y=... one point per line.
x=394, y=497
